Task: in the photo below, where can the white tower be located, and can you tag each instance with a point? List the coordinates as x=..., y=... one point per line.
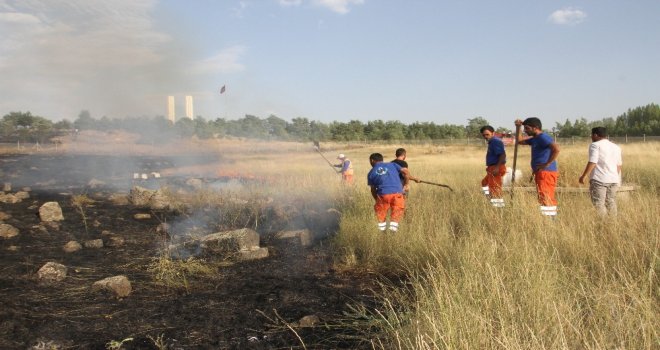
x=189, y=107
x=171, y=114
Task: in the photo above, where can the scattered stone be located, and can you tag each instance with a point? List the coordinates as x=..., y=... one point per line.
x=51, y=211
x=230, y=241
x=4, y=216
x=72, y=247
x=13, y=248
x=22, y=195
x=94, y=243
x=142, y=216
x=120, y=286
x=8, y=198
x=115, y=241
x=52, y=272
x=8, y=231
x=253, y=254
x=309, y=321
x=142, y=197
x=304, y=236
x=96, y=223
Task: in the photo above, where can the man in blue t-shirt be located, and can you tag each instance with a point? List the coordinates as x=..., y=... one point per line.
x=387, y=190
x=495, y=167
x=544, y=162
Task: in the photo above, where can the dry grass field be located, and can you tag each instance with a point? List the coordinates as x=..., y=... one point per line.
x=458, y=275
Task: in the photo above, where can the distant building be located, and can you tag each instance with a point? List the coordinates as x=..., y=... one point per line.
x=171, y=112
x=189, y=107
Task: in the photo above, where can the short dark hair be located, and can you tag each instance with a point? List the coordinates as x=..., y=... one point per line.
x=376, y=157
x=601, y=131
x=486, y=127
x=533, y=122
x=399, y=152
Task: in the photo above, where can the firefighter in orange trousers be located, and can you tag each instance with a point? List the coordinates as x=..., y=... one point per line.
x=387, y=190
x=544, y=163
x=346, y=169
x=495, y=167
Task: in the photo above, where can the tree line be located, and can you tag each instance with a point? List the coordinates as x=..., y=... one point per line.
x=23, y=126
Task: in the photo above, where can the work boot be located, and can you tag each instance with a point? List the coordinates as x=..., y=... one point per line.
x=382, y=226
x=485, y=190
x=394, y=226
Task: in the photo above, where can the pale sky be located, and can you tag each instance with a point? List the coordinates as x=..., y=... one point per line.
x=331, y=60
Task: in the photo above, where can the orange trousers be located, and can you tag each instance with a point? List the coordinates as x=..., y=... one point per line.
x=546, y=182
x=493, y=182
x=384, y=202
x=347, y=178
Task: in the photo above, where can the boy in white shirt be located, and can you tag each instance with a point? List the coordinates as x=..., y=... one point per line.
x=605, y=168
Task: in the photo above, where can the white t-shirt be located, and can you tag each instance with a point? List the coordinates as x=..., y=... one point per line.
x=607, y=156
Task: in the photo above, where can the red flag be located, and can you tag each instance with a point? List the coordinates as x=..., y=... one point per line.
x=222, y=89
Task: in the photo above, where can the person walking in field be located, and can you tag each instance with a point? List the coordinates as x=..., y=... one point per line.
x=387, y=190
x=604, y=171
x=495, y=167
x=346, y=169
x=400, y=159
x=544, y=162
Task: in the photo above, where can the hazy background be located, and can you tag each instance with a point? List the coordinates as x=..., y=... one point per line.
x=441, y=61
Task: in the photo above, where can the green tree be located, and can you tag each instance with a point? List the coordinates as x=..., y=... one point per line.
x=474, y=125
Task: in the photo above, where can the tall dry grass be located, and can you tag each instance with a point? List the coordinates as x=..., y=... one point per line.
x=478, y=277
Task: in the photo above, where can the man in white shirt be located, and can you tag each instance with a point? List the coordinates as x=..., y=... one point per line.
x=605, y=168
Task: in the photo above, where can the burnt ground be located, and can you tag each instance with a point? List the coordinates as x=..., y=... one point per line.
x=244, y=305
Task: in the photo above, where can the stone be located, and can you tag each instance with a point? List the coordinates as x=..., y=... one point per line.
x=230, y=241
x=253, y=254
x=304, y=236
x=22, y=195
x=52, y=272
x=309, y=321
x=120, y=286
x=94, y=243
x=115, y=241
x=8, y=231
x=51, y=211
x=8, y=198
x=4, y=216
x=142, y=216
x=72, y=247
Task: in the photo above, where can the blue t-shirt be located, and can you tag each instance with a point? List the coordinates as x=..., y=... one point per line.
x=385, y=177
x=541, y=151
x=495, y=150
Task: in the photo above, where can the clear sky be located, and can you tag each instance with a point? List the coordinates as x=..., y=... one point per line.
x=327, y=60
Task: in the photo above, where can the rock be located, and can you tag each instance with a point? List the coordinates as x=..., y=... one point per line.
x=72, y=247
x=253, y=254
x=142, y=216
x=309, y=321
x=8, y=231
x=120, y=286
x=51, y=211
x=230, y=241
x=142, y=197
x=22, y=195
x=4, y=216
x=115, y=241
x=8, y=198
x=52, y=272
x=304, y=236
x=94, y=243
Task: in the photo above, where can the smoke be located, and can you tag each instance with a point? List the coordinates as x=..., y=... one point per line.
x=57, y=58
